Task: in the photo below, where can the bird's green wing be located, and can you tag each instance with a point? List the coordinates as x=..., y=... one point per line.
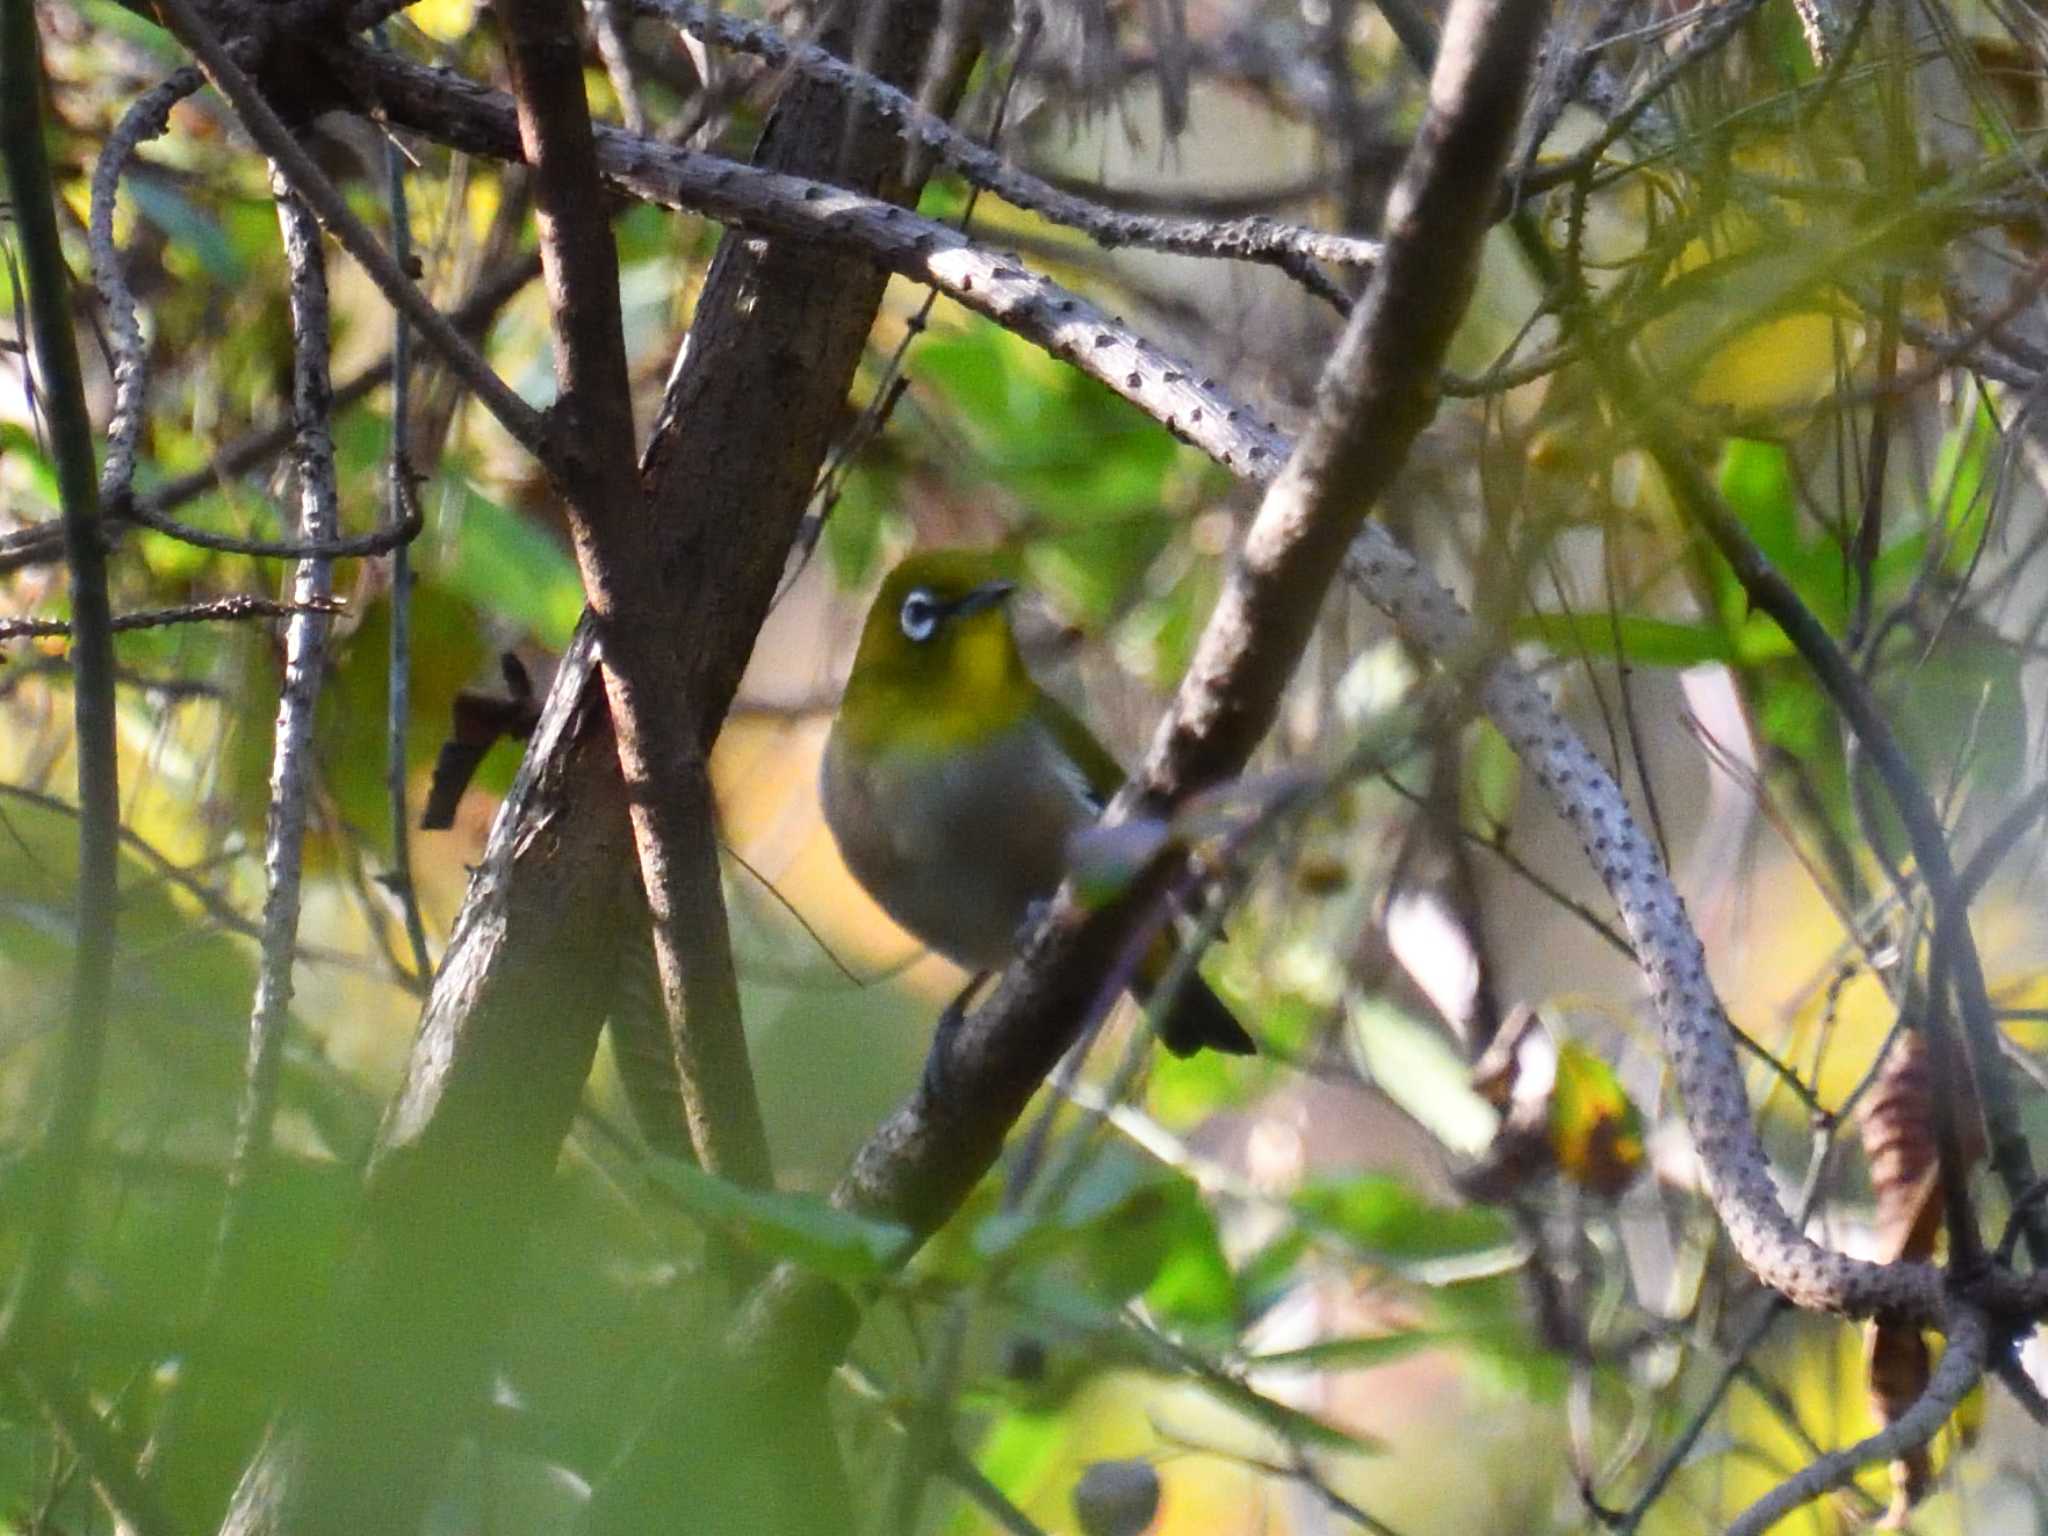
x=1197, y=1017
x=1100, y=775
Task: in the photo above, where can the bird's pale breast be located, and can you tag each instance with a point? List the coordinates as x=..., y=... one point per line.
x=956, y=846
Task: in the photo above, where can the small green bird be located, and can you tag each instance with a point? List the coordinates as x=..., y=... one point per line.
x=953, y=783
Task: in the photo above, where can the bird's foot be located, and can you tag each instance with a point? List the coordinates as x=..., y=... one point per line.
x=938, y=1061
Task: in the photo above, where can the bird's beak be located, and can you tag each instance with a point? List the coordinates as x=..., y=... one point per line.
x=987, y=595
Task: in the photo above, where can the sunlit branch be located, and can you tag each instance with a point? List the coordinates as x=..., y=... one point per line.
x=213, y=611
x=146, y=119
x=1961, y=1368
x=1291, y=247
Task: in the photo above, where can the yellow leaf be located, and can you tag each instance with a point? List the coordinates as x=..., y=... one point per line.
x=1596, y=1133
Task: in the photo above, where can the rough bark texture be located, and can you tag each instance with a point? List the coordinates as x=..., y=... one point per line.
x=495, y=1076
x=661, y=750
x=1377, y=392
x=514, y=1019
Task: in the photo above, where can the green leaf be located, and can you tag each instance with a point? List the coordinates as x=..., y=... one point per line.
x=188, y=226
x=507, y=566
x=1352, y=1354
x=1379, y=1214
x=1493, y=779
x=1756, y=482
x=1962, y=489
x=834, y=1243
x=1415, y=1066
x=1645, y=641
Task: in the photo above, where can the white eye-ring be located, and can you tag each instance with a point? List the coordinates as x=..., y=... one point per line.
x=920, y=615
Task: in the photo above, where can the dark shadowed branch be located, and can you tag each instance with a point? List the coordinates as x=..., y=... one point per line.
x=661, y=750
x=511, y=1027
x=75, y=1093
x=927, y=1156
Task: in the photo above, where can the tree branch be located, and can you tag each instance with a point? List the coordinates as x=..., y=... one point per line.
x=75, y=1093
x=1961, y=1368
x=660, y=749
x=291, y=761
x=505, y=1044
x=212, y=611
x=43, y=542
x=511, y=1027
x=1201, y=412
x=525, y=424
x=1291, y=247
x=146, y=118
x=1371, y=402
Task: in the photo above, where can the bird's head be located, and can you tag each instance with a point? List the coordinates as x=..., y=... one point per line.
x=937, y=661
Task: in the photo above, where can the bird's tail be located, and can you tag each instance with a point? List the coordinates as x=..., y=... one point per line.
x=1198, y=1018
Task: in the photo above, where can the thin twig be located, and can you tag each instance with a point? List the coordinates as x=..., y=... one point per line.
x=216, y=906
x=1291, y=247
x=147, y=118
x=1769, y=1309
x=291, y=764
x=617, y=54
x=212, y=611
x=402, y=509
x=986, y=1496
x=1962, y=1366
x=891, y=386
x=75, y=1093
x=150, y=509
x=131, y=1502
x=527, y=426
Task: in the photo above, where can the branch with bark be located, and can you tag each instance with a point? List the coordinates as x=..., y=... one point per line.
x=74, y=1095
x=1376, y=394
x=512, y=1022
x=1199, y=411
x=661, y=749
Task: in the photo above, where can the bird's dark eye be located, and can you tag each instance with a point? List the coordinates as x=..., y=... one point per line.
x=920, y=615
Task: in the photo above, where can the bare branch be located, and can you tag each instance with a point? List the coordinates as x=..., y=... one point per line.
x=921, y=1162
x=1961, y=1368
x=147, y=118
x=1376, y=393
x=1172, y=391
x=216, y=907
x=514, y=414
x=626, y=582
x=43, y=542
x=403, y=511
x=131, y=1502
x=215, y=610
x=1201, y=412
x=291, y=753
x=512, y=1024
x=1256, y=239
